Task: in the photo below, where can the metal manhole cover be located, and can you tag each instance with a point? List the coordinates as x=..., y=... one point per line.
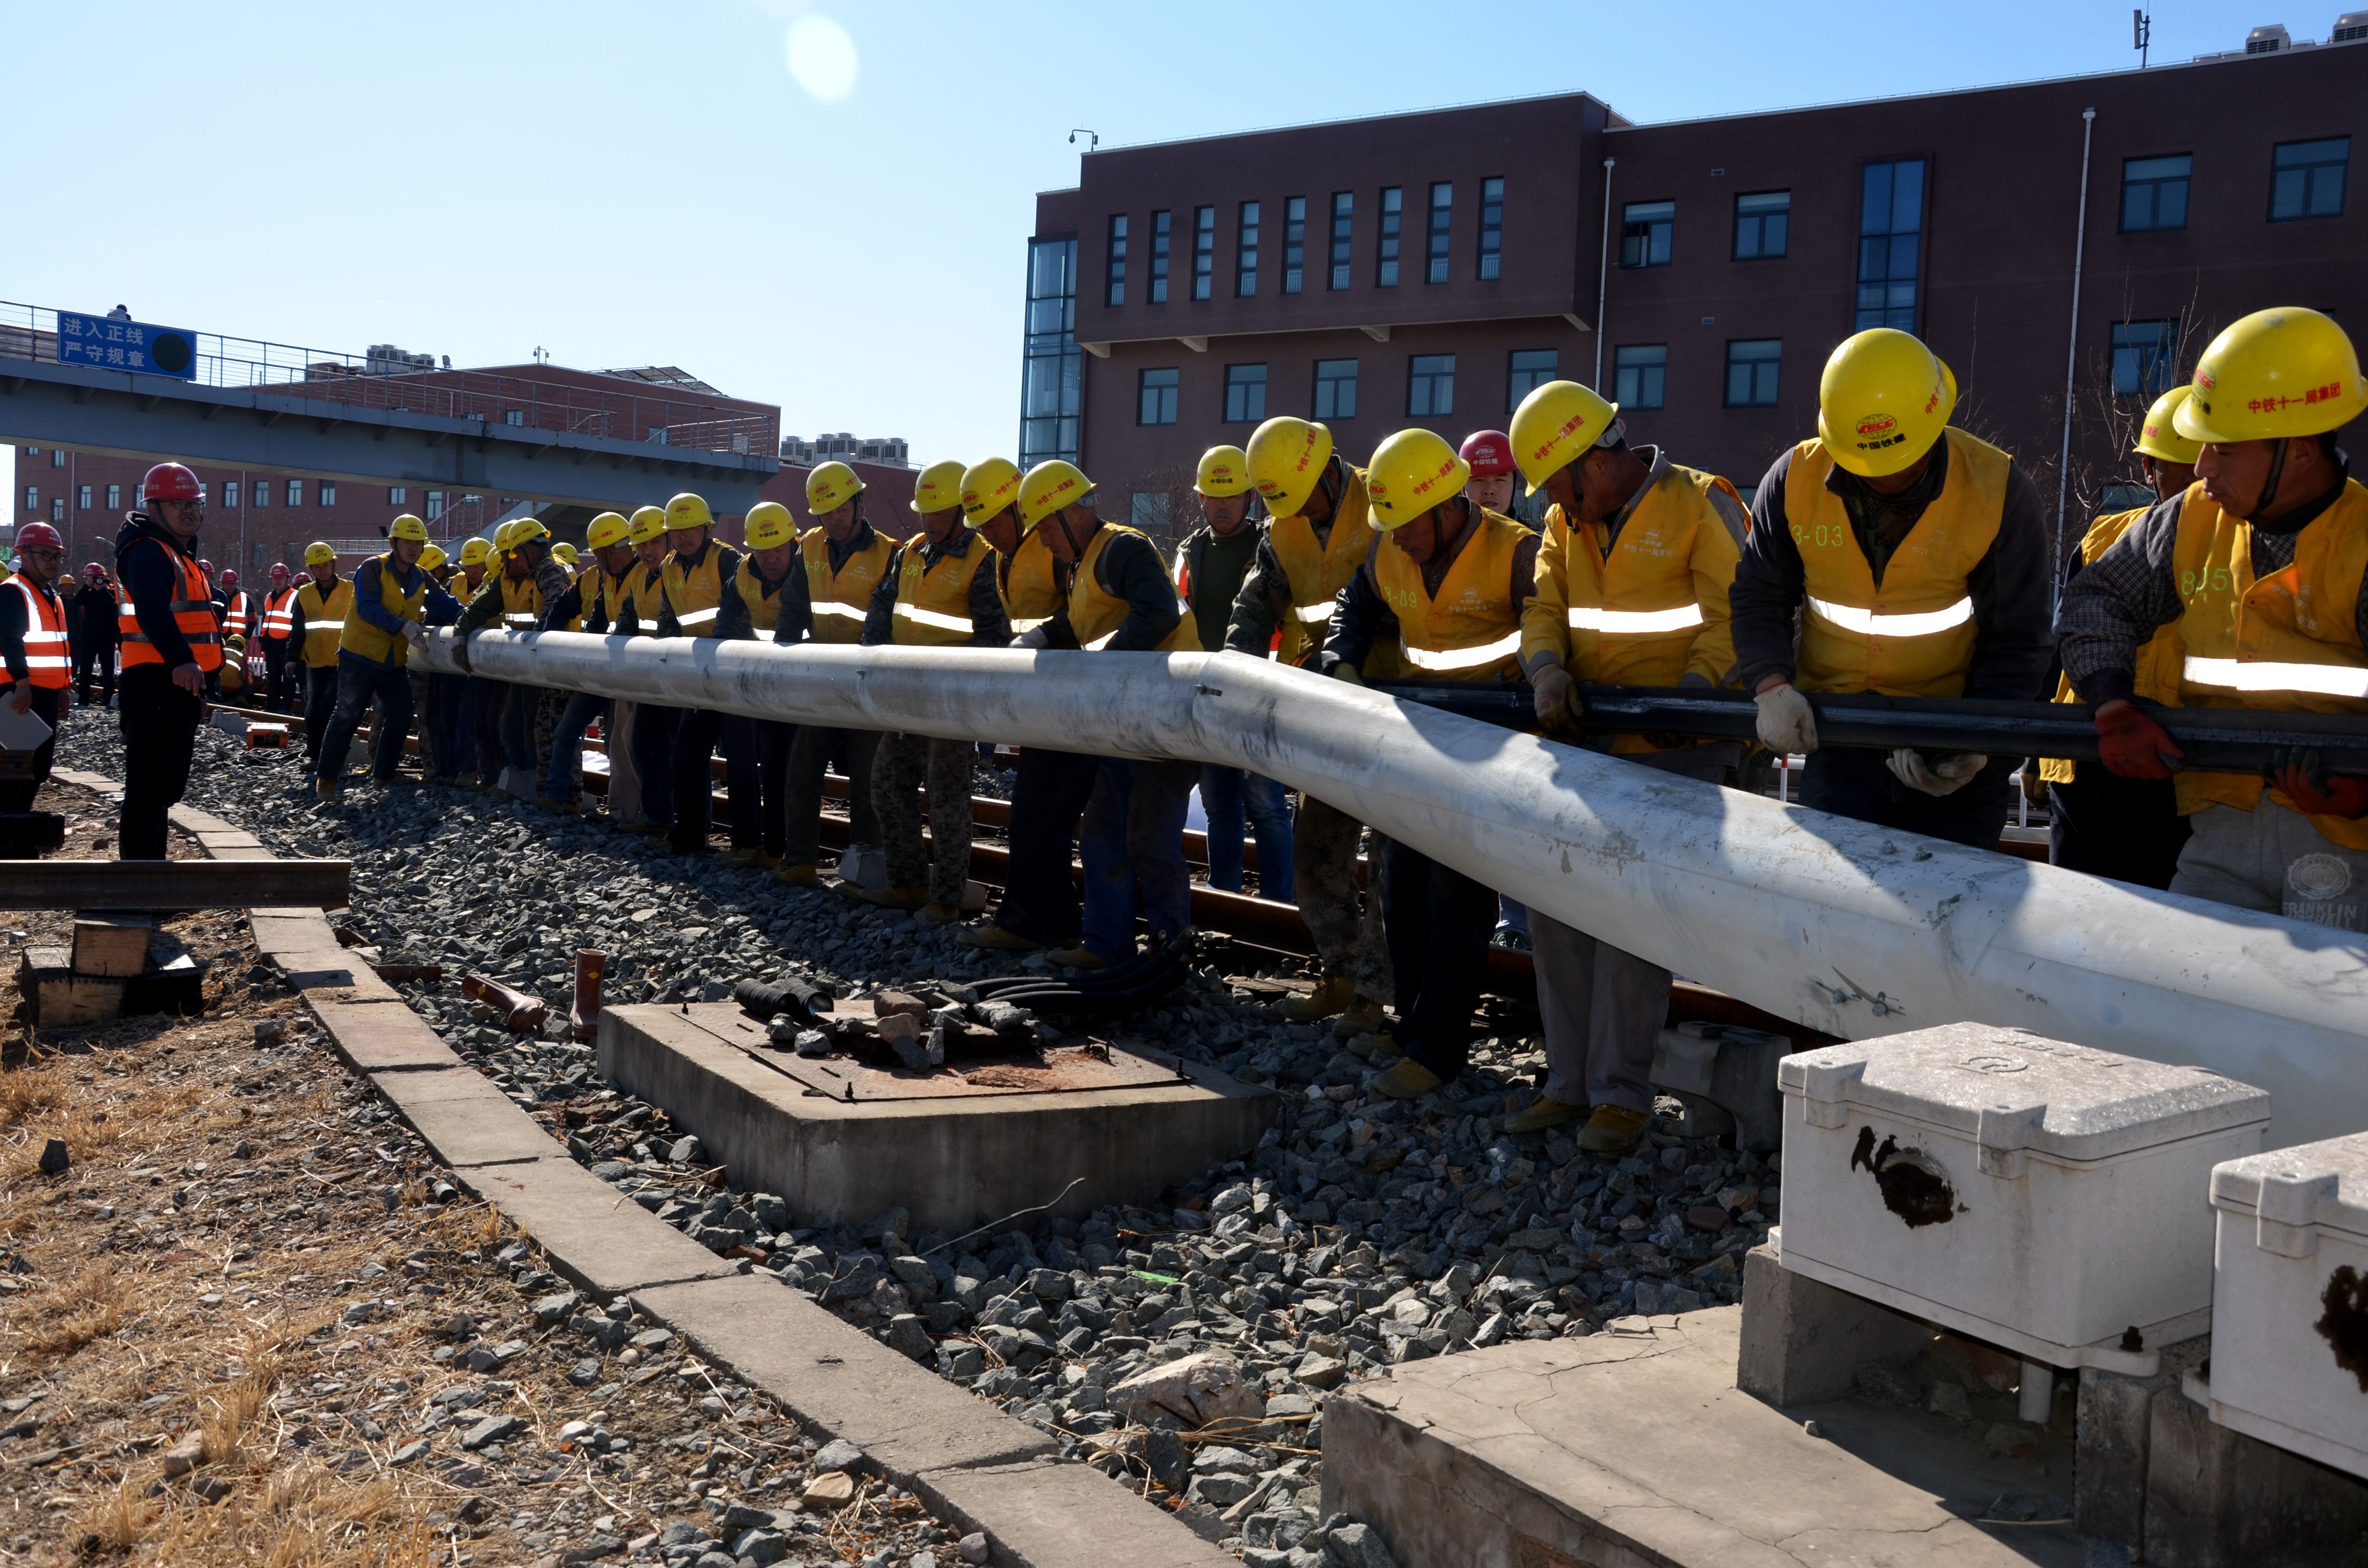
x=1065, y=1067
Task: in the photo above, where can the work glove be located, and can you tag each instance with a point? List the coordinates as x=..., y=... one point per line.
x=461, y=653
x=414, y=634
x=1556, y=695
x=2132, y=745
x=1947, y=773
x=1033, y=638
x=1786, y=725
x=2302, y=776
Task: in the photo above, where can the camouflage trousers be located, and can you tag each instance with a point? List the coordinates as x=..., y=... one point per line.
x=904, y=765
x=1323, y=841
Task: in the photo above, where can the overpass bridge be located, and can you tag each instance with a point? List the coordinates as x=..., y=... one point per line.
x=536, y=433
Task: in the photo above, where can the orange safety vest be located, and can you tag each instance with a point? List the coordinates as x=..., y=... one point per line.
x=238, y=615
x=48, y=659
x=280, y=615
x=1470, y=630
x=193, y=612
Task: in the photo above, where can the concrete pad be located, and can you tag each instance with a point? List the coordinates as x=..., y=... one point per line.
x=465, y=1118
x=1640, y=1449
x=596, y=1237
x=953, y=1162
x=840, y=1379
x=1065, y=1515
x=384, y=1036
x=278, y=932
x=333, y=974
x=238, y=852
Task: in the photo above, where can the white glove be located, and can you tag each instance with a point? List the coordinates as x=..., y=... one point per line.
x=1786, y=725
x=1032, y=638
x=414, y=634
x=1945, y=775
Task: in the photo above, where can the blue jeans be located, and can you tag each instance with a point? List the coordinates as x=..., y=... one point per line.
x=358, y=680
x=567, y=741
x=1131, y=843
x=1229, y=795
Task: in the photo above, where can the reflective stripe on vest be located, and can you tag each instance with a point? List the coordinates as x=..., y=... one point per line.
x=48, y=658
x=937, y=619
x=1031, y=580
x=1635, y=622
x=1455, y=661
x=2245, y=674
x=840, y=598
x=933, y=597
x=762, y=599
x=1097, y=616
x=278, y=614
x=1867, y=623
x=696, y=592
x=194, y=613
x=698, y=622
x=1317, y=569
x=1314, y=615
x=1471, y=626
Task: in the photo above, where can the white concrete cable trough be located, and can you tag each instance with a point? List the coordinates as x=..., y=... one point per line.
x=1857, y=930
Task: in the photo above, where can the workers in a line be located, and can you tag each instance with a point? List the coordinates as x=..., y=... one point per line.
x=93, y=611
x=393, y=603
x=846, y=559
x=692, y=585
x=1315, y=542
x=172, y=644
x=37, y=649
x=939, y=592
x=1451, y=581
x=319, y=621
x=2257, y=567
x=2098, y=821
x=1915, y=560
x=1211, y=566
x=281, y=663
x=1632, y=584
x=767, y=603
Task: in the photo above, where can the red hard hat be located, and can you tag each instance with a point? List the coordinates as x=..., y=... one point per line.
x=205, y=566
x=94, y=570
x=278, y=569
x=229, y=577
x=39, y=536
x=172, y=482
x=1490, y=453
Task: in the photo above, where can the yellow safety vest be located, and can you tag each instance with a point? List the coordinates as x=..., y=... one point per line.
x=2157, y=661
x=521, y=604
x=325, y=621
x=646, y=594
x=763, y=598
x=933, y=604
x=1031, y=580
x=1914, y=636
x=1472, y=628
x=1318, y=569
x=2287, y=642
x=841, y=597
x=612, y=593
x=359, y=636
x=1096, y=614
x=696, y=592
x=585, y=582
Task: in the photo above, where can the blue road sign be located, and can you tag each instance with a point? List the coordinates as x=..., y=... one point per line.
x=113, y=344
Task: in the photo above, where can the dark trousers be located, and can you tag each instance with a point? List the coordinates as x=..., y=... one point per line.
x=358, y=681
x=567, y=744
x=160, y=727
x=505, y=716
x=16, y=794
x=460, y=717
x=2128, y=829
x=811, y=755
x=773, y=742
x=653, y=732
x=280, y=674
x=1048, y=797
x=695, y=741
x=96, y=654
x=1437, y=922
x=1857, y=784
x=320, y=701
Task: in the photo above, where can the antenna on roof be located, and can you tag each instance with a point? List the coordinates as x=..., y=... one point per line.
x=2141, y=34
x=1093, y=139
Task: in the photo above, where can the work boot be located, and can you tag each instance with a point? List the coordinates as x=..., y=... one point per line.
x=893, y=898
x=324, y=789
x=1378, y=1045
x=554, y=804
x=994, y=938
x=1079, y=957
x=648, y=828
x=1364, y=1017
x=1335, y=993
x=1409, y=1080
x=936, y=914
x=1541, y=1113
x=1612, y=1129
x=803, y=876
x=765, y=861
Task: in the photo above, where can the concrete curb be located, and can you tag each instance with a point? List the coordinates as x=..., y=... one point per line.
x=973, y=1464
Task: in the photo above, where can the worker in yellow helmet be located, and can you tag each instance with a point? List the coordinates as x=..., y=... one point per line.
x=592, y=600
x=939, y=592
x=319, y=621
x=510, y=722
x=1631, y=578
x=393, y=603
x=641, y=753
x=2098, y=821
x=433, y=696
x=1449, y=580
x=846, y=559
x=1034, y=585
x=767, y=603
x=1316, y=540
x=2259, y=567
x=699, y=567
x=1913, y=559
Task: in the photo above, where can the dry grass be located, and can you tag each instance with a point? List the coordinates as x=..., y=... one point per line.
x=69, y=1316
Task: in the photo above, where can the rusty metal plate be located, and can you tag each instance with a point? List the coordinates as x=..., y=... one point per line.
x=1082, y=1065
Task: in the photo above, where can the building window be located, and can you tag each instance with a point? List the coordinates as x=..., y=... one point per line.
x=85, y=502
x=260, y=493
x=1155, y=397
x=1245, y=394
x=1431, y=386
x=1344, y=212
x=1761, y=223
x=295, y=492
x=1890, y=232
x=1751, y=366
x=1161, y=225
x=1052, y=376
x=328, y=494
x=32, y=499
x=1645, y=228
x=57, y=457
x=1204, y=251
x=57, y=509
x=1294, y=243
x=1640, y=375
x=1114, y=288
x=1336, y=388
x=2307, y=180
x=513, y=417
x=1442, y=220
x=394, y=494
x=1492, y=228
x=1245, y=252
x=2154, y=193
x=115, y=496
x=1529, y=370
x=1148, y=510
x=229, y=494
x=1385, y=267
x=2146, y=357
x=435, y=505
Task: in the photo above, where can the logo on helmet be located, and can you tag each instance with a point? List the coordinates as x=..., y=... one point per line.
x=1877, y=424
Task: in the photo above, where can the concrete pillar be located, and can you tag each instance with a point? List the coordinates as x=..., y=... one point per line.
x=1804, y=1341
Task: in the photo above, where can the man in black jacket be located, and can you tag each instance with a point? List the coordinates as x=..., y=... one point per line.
x=172, y=645
x=91, y=614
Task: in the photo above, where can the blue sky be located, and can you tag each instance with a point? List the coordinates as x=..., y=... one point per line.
x=627, y=185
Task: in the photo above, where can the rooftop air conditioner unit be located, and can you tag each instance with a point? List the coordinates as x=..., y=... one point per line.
x=2270, y=40
x=2350, y=27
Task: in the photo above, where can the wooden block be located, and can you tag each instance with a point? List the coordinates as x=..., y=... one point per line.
x=57, y=998
x=112, y=943
x=174, y=982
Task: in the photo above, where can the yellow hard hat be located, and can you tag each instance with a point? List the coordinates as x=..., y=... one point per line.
x=525, y=531
x=2156, y=440
x=2288, y=371
x=648, y=523
x=432, y=557
x=939, y=487
x=318, y=554
x=768, y=525
x=1883, y=400
x=1224, y=470
x=1285, y=460
x=564, y=552
x=1413, y=471
x=688, y=511
x=987, y=488
x=608, y=529
x=1048, y=487
x=1556, y=425
x=408, y=527
x=473, y=551
x=503, y=534
x=831, y=486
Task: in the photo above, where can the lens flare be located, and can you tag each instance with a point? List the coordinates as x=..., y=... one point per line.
x=822, y=58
